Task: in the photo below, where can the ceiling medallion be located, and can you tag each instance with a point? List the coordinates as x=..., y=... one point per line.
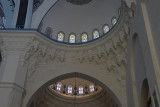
x=79, y=2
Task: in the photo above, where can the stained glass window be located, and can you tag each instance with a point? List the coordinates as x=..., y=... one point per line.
x=72, y=38
x=91, y=88
x=95, y=34
x=59, y=85
x=80, y=90
x=114, y=20
x=84, y=37
x=70, y=89
x=60, y=36
x=105, y=28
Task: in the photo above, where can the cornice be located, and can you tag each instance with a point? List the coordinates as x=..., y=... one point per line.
x=72, y=100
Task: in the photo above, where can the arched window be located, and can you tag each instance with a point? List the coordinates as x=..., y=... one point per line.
x=91, y=87
x=0, y=57
x=59, y=85
x=70, y=89
x=105, y=28
x=49, y=31
x=119, y=11
x=95, y=34
x=114, y=20
x=60, y=36
x=84, y=37
x=72, y=38
x=80, y=89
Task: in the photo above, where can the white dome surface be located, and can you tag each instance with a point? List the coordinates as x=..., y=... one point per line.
x=69, y=18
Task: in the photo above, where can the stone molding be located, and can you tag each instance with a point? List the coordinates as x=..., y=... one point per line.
x=12, y=85
x=48, y=98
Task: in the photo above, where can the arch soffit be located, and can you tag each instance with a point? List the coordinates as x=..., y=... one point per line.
x=38, y=15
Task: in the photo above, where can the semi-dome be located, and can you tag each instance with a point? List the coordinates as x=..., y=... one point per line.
x=67, y=22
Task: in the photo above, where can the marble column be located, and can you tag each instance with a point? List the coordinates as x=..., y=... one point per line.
x=15, y=15
x=29, y=14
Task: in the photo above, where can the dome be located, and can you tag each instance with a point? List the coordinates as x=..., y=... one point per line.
x=68, y=22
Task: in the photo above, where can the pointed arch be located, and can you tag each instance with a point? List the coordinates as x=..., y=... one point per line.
x=145, y=94
x=70, y=75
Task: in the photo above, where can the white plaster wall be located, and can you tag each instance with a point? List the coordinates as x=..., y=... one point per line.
x=140, y=70
x=144, y=65
x=152, y=9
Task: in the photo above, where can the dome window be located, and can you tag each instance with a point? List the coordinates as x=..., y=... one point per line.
x=95, y=34
x=69, y=89
x=105, y=28
x=91, y=88
x=80, y=89
x=60, y=36
x=114, y=21
x=59, y=85
x=84, y=37
x=72, y=38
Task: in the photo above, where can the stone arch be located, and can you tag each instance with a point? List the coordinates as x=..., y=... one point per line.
x=145, y=94
x=39, y=14
x=91, y=77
